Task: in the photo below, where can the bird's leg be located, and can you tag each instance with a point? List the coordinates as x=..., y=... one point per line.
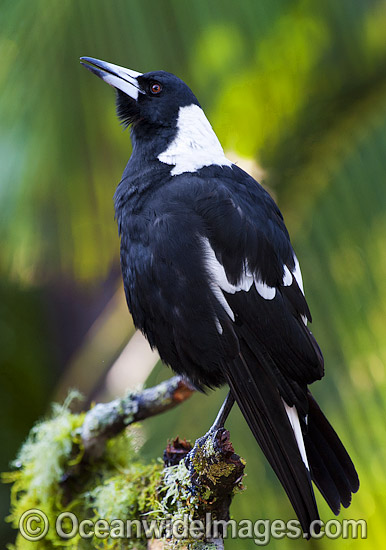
x=218, y=424
x=223, y=413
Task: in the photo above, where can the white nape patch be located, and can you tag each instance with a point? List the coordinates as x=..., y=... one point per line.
x=287, y=279
x=195, y=145
x=219, y=281
x=293, y=417
x=298, y=274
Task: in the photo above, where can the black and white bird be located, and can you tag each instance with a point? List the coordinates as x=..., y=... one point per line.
x=212, y=281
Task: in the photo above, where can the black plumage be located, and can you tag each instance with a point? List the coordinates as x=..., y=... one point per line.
x=212, y=280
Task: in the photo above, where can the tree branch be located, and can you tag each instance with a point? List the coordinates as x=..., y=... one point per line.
x=62, y=466
x=212, y=471
x=106, y=420
x=202, y=489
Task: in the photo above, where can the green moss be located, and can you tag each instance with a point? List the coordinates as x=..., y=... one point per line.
x=181, y=499
x=213, y=470
x=202, y=453
x=51, y=477
x=117, y=486
x=177, y=497
x=41, y=463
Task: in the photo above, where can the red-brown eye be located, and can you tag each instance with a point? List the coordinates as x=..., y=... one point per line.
x=155, y=88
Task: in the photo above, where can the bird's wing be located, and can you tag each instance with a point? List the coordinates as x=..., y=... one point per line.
x=254, y=274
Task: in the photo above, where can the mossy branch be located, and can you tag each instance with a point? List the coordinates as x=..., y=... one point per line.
x=87, y=464
x=106, y=420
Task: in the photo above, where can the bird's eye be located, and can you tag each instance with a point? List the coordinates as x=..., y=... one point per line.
x=155, y=88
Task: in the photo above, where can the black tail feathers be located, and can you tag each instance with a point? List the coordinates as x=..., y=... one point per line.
x=330, y=466
x=264, y=411
x=332, y=469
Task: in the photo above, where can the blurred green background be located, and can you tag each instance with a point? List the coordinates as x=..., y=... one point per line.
x=296, y=91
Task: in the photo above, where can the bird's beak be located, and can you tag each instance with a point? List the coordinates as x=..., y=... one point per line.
x=118, y=77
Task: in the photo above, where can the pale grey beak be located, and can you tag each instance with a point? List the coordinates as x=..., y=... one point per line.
x=118, y=77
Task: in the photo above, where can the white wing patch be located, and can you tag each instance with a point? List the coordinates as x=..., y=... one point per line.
x=298, y=274
x=265, y=291
x=195, y=145
x=287, y=279
x=219, y=281
x=299, y=279
x=293, y=417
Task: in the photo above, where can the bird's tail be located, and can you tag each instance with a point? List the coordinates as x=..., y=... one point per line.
x=279, y=433
x=332, y=469
x=259, y=400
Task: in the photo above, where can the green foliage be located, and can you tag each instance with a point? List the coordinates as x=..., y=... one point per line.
x=274, y=86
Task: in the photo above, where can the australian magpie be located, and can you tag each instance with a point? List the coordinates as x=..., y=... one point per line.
x=212, y=281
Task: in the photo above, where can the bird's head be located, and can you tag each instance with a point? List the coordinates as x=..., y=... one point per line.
x=153, y=98
x=167, y=120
